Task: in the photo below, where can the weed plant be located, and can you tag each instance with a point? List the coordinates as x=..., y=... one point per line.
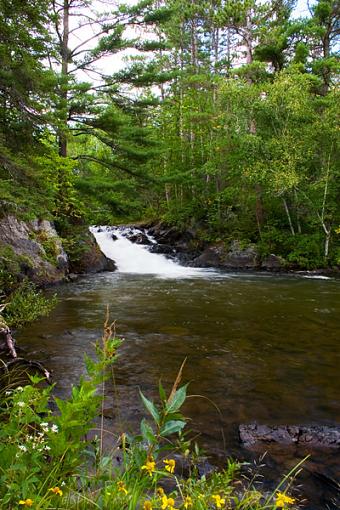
x=49, y=462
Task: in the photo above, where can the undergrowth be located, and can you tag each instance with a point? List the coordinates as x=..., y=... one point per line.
x=48, y=460
x=25, y=304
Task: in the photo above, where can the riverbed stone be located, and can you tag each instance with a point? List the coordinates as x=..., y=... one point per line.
x=314, y=435
x=163, y=249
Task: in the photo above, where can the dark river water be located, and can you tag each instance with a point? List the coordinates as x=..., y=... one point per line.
x=258, y=347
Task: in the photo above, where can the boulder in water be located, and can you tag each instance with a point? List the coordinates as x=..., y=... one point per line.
x=138, y=238
x=89, y=258
x=164, y=249
x=315, y=435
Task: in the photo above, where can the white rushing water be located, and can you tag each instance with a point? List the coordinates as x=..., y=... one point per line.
x=136, y=258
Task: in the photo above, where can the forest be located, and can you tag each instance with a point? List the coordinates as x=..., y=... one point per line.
x=215, y=121
x=215, y=115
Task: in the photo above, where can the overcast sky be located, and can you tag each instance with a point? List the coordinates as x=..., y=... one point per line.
x=114, y=63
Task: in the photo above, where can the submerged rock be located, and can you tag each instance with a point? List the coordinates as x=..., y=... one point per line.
x=314, y=435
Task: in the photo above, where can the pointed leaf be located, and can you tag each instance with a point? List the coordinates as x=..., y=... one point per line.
x=162, y=393
x=171, y=427
x=147, y=431
x=177, y=400
x=150, y=407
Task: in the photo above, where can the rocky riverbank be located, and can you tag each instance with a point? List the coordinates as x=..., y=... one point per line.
x=34, y=250
x=189, y=249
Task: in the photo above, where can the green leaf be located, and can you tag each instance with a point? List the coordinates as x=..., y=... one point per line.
x=162, y=393
x=171, y=427
x=177, y=400
x=150, y=407
x=147, y=431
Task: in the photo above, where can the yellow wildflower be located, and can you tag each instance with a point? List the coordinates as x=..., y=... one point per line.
x=147, y=505
x=282, y=500
x=149, y=466
x=219, y=502
x=121, y=487
x=187, y=502
x=169, y=465
x=56, y=490
x=26, y=502
x=168, y=503
x=160, y=492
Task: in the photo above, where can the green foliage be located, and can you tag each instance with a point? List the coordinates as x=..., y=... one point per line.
x=25, y=304
x=300, y=250
x=12, y=268
x=167, y=418
x=306, y=251
x=237, y=142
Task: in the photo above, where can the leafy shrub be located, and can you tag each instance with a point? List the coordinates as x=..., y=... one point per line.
x=26, y=304
x=301, y=250
x=307, y=251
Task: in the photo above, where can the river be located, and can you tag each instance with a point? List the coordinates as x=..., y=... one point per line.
x=258, y=347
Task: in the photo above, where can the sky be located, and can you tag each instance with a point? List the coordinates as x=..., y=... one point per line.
x=114, y=63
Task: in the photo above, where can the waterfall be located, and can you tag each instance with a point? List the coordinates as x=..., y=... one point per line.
x=136, y=258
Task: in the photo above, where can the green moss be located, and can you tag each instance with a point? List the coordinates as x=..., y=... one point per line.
x=24, y=302
x=12, y=268
x=77, y=245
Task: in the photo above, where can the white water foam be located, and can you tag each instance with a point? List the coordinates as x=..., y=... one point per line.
x=316, y=277
x=135, y=258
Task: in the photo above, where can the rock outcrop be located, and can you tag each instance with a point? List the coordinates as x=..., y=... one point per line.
x=190, y=250
x=232, y=257
x=87, y=257
x=34, y=250
x=174, y=243
x=37, y=246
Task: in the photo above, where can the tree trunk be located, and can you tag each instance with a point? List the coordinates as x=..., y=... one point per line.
x=288, y=216
x=64, y=50
x=328, y=237
x=248, y=41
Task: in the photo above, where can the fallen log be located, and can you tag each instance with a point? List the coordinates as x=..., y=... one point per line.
x=29, y=367
x=18, y=372
x=319, y=436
